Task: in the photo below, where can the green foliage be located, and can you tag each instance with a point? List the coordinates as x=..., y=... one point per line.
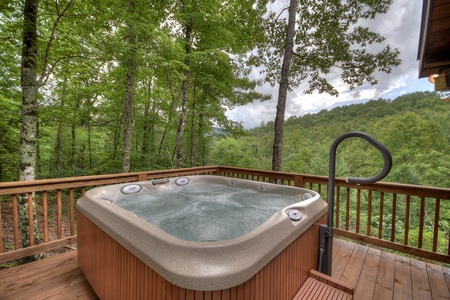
x=238, y=152
x=81, y=72
x=414, y=127
x=327, y=39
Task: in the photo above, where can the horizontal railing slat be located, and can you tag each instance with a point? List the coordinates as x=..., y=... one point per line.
x=393, y=246
x=32, y=250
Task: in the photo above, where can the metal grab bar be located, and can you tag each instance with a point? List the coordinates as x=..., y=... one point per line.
x=326, y=232
x=332, y=167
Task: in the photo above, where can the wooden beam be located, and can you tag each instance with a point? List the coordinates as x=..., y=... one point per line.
x=393, y=246
x=24, y=252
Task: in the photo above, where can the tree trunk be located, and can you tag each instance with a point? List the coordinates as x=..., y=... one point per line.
x=116, y=138
x=192, y=151
x=184, y=97
x=29, y=92
x=28, y=120
x=169, y=120
x=73, y=145
x=90, y=144
x=282, y=92
x=37, y=146
x=146, y=130
x=148, y=138
x=129, y=91
x=60, y=132
x=201, y=138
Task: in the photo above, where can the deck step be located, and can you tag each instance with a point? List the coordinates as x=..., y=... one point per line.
x=321, y=286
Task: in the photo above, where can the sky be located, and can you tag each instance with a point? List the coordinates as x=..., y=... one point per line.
x=401, y=28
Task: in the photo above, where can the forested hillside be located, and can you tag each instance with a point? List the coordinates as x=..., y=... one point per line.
x=414, y=127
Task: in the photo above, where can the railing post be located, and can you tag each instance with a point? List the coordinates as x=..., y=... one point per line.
x=1, y=231
x=142, y=177
x=299, y=181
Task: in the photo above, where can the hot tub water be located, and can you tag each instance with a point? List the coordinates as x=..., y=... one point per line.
x=205, y=212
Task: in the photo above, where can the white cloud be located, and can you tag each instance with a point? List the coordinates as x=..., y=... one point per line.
x=401, y=28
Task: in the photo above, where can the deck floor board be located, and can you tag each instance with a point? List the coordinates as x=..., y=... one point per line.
x=384, y=286
x=56, y=277
x=341, y=259
x=375, y=274
x=420, y=284
x=368, y=276
x=439, y=288
x=351, y=274
x=402, y=278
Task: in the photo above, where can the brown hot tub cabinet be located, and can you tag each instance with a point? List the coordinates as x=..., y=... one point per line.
x=123, y=256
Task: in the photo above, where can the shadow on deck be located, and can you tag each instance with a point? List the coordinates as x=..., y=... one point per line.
x=375, y=274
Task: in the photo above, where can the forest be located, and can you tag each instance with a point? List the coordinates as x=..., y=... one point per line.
x=414, y=127
x=119, y=86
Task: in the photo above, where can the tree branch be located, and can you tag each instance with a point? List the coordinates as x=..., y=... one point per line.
x=281, y=12
x=44, y=74
x=298, y=55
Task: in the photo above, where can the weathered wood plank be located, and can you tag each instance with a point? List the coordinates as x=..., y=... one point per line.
x=20, y=253
x=402, y=278
x=337, y=243
x=368, y=276
x=447, y=276
x=341, y=259
x=439, y=287
x=355, y=264
x=393, y=246
x=384, y=285
x=56, y=277
x=420, y=284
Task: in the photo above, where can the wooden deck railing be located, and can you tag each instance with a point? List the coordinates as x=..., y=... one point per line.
x=378, y=214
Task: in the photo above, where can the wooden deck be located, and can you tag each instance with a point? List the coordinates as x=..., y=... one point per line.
x=375, y=274
x=56, y=277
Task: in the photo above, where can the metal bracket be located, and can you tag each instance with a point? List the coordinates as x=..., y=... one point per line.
x=325, y=249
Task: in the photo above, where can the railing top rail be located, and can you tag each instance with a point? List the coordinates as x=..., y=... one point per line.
x=381, y=186
x=7, y=188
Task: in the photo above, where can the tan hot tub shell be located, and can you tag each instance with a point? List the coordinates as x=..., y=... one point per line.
x=124, y=256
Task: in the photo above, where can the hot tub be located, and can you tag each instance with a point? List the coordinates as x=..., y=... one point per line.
x=198, y=236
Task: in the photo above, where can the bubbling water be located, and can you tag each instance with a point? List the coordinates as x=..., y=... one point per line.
x=205, y=212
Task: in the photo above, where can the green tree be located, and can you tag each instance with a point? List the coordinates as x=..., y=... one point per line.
x=203, y=28
x=29, y=91
x=11, y=15
x=28, y=116
x=326, y=38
